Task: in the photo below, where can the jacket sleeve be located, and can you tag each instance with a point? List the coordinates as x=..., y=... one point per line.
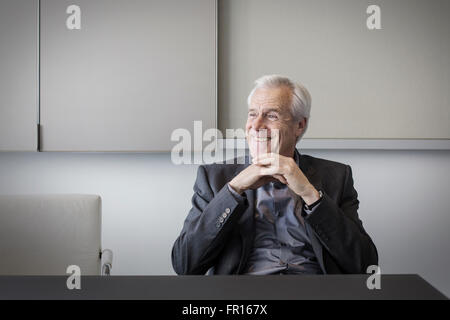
x=341, y=232
x=206, y=227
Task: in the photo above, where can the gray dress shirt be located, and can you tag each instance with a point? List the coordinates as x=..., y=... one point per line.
x=282, y=244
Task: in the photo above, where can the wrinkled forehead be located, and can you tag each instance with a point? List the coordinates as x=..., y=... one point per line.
x=278, y=99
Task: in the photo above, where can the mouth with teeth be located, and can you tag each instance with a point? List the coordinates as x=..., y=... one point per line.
x=262, y=139
x=262, y=143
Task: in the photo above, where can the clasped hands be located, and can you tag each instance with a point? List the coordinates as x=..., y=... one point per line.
x=272, y=167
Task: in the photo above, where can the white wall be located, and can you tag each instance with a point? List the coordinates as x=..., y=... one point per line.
x=405, y=203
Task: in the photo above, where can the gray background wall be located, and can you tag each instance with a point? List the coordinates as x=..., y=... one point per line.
x=404, y=203
x=373, y=84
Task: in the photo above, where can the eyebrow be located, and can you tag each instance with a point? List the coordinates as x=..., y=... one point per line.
x=266, y=111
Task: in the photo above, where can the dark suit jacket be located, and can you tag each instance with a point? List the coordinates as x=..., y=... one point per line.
x=338, y=238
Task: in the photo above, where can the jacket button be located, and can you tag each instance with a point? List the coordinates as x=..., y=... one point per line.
x=218, y=225
x=221, y=220
x=224, y=215
x=227, y=210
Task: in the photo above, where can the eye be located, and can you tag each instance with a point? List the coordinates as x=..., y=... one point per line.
x=272, y=116
x=252, y=114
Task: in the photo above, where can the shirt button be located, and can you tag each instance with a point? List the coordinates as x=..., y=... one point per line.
x=227, y=210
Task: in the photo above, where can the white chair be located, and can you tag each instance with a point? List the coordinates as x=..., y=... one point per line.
x=44, y=234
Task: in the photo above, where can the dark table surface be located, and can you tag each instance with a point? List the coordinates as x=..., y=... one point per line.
x=277, y=287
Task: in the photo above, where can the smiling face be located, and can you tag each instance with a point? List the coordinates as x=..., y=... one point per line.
x=270, y=125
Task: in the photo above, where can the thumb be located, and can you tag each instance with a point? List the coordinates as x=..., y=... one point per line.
x=280, y=178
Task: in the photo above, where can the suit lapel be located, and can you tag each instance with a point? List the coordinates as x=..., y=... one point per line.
x=309, y=172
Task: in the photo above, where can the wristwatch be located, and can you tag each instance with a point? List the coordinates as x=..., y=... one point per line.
x=312, y=205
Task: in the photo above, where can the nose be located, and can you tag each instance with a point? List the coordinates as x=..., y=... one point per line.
x=258, y=123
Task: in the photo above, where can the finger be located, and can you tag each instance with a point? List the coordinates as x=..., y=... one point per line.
x=264, y=162
x=273, y=157
x=265, y=155
x=270, y=162
x=280, y=178
x=269, y=171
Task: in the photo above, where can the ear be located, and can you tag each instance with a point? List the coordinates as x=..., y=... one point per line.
x=301, y=127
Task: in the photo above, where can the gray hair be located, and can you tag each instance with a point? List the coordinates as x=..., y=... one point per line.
x=301, y=99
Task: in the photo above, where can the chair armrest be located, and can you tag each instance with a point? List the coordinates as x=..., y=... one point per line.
x=106, y=261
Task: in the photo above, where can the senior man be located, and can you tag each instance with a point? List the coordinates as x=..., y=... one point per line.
x=283, y=213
